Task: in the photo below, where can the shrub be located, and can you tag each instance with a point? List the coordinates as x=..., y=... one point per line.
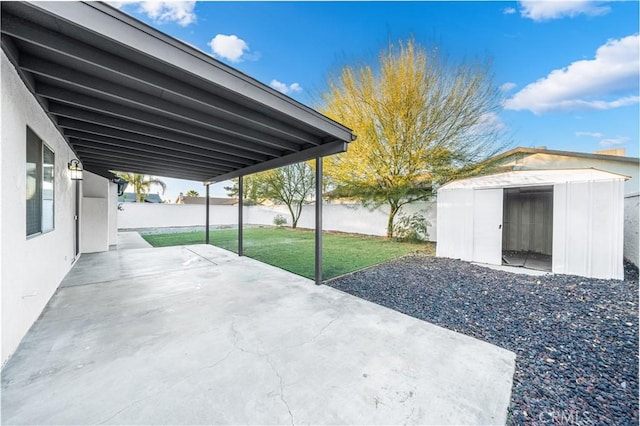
x=279, y=220
x=411, y=227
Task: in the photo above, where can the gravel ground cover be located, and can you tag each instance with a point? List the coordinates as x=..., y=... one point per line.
x=575, y=339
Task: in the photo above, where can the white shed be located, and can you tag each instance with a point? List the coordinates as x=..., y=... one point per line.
x=564, y=221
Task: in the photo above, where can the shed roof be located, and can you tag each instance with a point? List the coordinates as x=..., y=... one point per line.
x=522, y=178
x=128, y=97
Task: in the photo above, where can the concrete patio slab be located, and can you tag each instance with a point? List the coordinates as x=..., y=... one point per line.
x=128, y=240
x=197, y=335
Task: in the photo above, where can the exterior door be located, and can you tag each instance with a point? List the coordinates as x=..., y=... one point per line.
x=487, y=226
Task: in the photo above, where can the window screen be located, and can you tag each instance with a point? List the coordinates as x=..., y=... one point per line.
x=39, y=185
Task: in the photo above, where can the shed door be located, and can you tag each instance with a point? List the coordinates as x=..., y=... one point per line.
x=487, y=226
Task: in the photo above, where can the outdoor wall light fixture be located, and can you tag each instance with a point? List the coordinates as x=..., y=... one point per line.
x=75, y=169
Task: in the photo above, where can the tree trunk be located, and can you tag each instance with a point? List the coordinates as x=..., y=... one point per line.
x=394, y=208
x=294, y=219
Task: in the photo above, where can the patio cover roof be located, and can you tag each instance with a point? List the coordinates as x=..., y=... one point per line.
x=128, y=97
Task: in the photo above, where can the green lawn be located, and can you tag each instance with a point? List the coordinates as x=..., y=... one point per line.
x=293, y=250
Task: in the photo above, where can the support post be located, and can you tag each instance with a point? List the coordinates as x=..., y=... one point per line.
x=318, y=265
x=206, y=223
x=240, y=208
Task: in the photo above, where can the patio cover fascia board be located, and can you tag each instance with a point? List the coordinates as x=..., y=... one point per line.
x=112, y=82
x=532, y=178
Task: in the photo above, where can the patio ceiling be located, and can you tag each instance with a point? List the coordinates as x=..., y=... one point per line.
x=128, y=97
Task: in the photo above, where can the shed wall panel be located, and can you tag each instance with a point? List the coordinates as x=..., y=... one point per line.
x=487, y=226
x=588, y=229
x=455, y=224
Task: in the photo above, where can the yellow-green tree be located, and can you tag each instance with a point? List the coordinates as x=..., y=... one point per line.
x=141, y=184
x=419, y=121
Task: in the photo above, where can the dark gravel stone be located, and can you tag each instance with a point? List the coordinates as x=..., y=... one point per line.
x=575, y=338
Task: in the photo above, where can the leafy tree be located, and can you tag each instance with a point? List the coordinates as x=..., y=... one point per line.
x=420, y=122
x=141, y=184
x=290, y=185
x=192, y=193
x=252, y=186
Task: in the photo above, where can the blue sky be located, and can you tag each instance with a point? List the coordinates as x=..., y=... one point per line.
x=569, y=70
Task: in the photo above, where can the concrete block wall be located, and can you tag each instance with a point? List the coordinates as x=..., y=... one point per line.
x=336, y=217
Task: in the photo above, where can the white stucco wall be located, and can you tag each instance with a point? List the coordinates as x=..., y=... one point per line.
x=631, y=235
x=336, y=217
x=112, y=201
x=30, y=268
x=97, y=209
x=94, y=225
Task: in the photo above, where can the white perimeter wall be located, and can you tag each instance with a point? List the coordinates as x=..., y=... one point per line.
x=336, y=217
x=631, y=236
x=30, y=269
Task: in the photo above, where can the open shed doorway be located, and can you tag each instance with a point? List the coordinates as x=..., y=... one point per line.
x=527, y=232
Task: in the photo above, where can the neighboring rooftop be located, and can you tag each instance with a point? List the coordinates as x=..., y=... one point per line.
x=130, y=197
x=213, y=201
x=612, y=155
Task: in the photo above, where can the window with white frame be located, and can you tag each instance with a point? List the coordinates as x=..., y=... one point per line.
x=40, y=185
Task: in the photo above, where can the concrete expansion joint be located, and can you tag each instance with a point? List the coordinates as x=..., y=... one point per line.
x=199, y=255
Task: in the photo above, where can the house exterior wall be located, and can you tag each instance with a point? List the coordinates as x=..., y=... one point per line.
x=30, y=268
x=336, y=217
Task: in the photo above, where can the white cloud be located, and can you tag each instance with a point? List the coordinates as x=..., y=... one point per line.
x=596, y=135
x=282, y=87
x=546, y=10
x=162, y=12
x=509, y=11
x=610, y=80
x=507, y=87
x=619, y=140
x=229, y=47
x=605, y=141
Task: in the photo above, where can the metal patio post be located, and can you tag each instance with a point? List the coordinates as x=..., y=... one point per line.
x=240, y=208
x=206, y=203
x=318, y=264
